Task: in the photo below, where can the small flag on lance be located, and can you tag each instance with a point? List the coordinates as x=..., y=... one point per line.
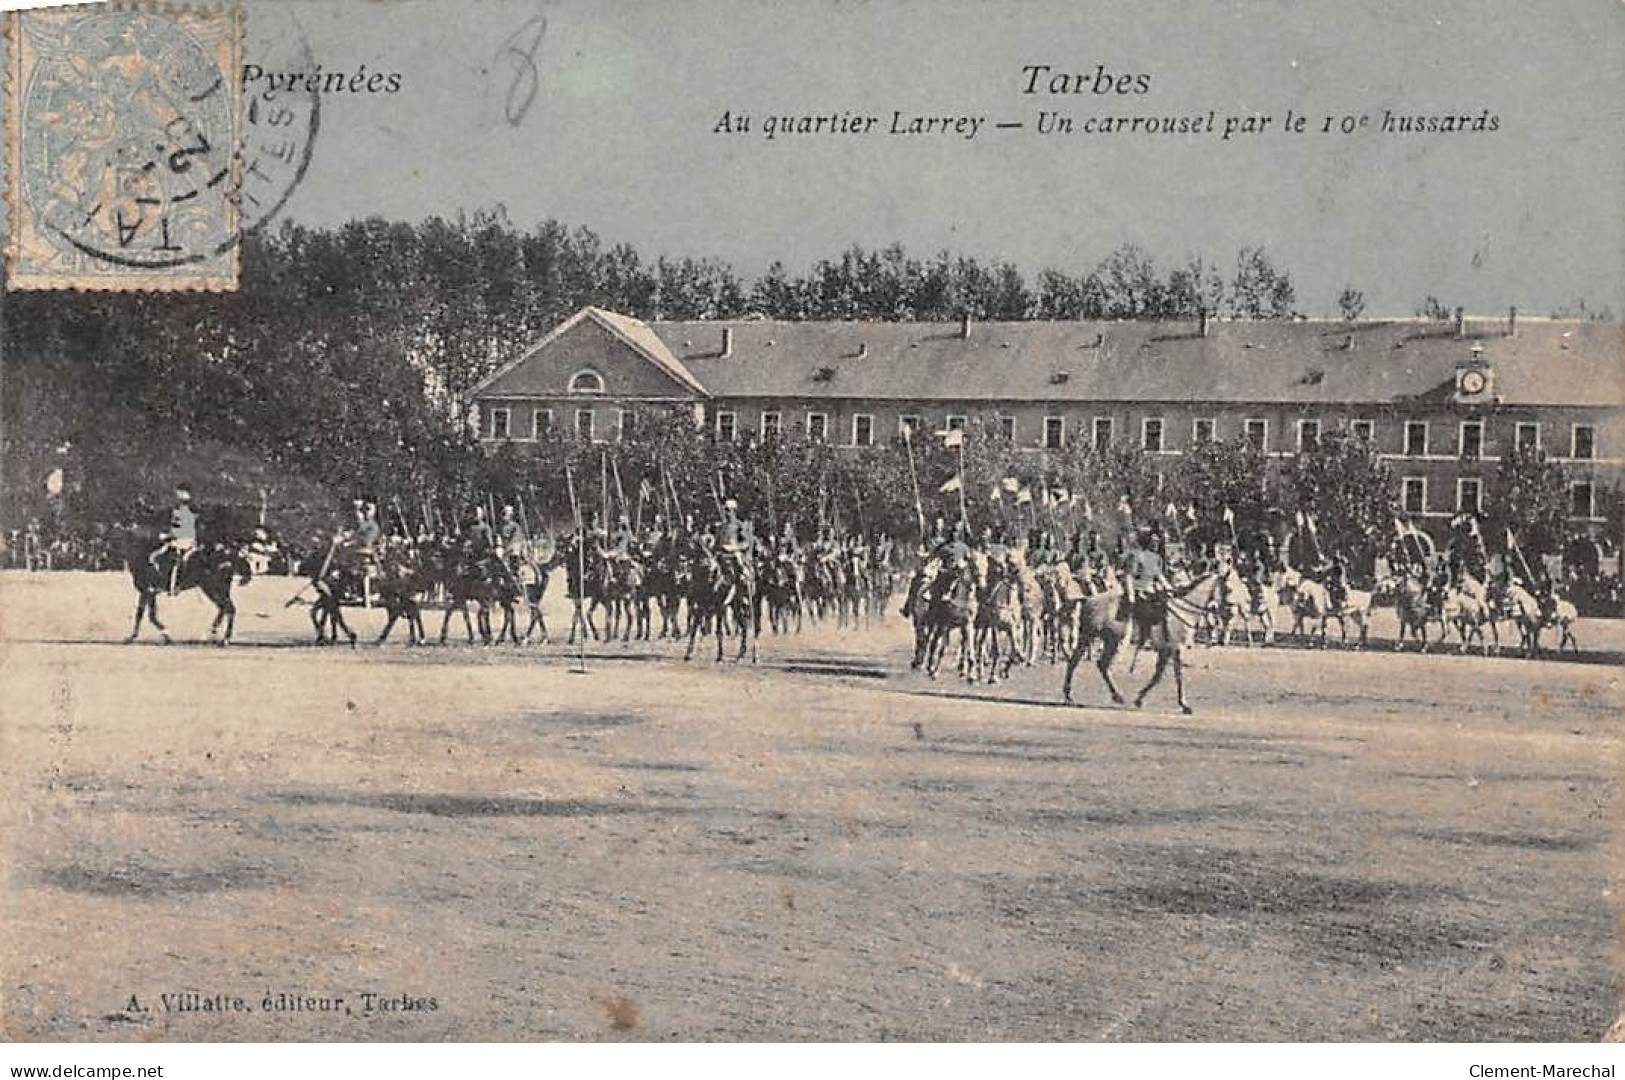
x=1011, y=484
x=1125, y=507
x=996, y=495
x=1023, y=496
x=954, y=484
x=952, y=439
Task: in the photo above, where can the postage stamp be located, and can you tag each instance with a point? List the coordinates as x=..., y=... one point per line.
x=122, y=136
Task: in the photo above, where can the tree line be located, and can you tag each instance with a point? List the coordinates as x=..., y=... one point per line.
x=343, y=360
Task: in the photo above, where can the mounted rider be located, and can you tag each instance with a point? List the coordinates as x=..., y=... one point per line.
x=179, y=537
x=787, y=554
x=1145, y=582
x=619, y=545
x=1337, y=581
x=358, y=546
x=735, y=543
x=479, y=541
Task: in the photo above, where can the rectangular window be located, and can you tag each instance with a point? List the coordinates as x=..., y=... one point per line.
x=956, y=423
x=1258, y=434
x=1102, y=433
x=1151, y=434
x=541, y=423
x=863, y=429
x=1204, y=431
x=1583, y=443
x=1469, y=495
x=584, y=425
x=498, y=428
x=817, y=426
x=1308, y=435
x=1472, y=438
x=625, y=424
x=1582, y=499
x=1416, y=438
x=1413, y=494
x=1364, y=429
x=1526, y=436
x=910, y=423
x=727, y=426
x=1007, y=428
x=770, y=425
x=1054, y=433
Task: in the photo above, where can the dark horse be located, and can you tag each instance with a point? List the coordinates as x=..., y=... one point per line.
x=717, y=590
x=210, y=567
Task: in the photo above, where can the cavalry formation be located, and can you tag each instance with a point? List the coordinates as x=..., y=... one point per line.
x=993, y=603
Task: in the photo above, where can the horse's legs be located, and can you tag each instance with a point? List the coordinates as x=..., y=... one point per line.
x=693, y=632
x=1072, y=657
x=1110, y=642
x=1156, y=677
x=225, y=612
x=152, y=616
x=140, y=613
x=340, y=624
x=1179, y=682
x=445, y=621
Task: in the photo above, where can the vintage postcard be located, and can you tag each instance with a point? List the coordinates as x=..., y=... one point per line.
x=738, y=521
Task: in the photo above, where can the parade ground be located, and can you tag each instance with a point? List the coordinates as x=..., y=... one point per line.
x=274, y=841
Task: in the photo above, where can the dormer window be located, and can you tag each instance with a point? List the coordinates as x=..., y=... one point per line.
x=587, y=381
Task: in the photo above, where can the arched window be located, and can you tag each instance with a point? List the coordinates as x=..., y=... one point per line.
x=587, y=381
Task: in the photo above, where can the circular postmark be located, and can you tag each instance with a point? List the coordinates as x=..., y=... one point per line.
x=143, y=149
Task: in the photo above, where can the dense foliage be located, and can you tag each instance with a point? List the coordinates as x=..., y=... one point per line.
x=339, y=367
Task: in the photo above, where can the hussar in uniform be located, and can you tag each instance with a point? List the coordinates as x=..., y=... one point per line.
x=180, y=537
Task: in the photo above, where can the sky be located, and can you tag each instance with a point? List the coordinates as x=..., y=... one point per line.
x=619, y=136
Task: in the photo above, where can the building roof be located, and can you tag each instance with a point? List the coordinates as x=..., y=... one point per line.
x=636, y=333
x=1546, y=362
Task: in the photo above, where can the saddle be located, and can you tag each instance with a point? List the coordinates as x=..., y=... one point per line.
x=1147, y=610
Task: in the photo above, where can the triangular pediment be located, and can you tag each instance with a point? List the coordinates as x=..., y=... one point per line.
x=594, y=347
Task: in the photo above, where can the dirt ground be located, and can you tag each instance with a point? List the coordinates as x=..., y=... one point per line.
x=482, y=844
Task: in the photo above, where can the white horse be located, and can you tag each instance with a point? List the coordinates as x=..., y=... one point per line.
x=1308, y=599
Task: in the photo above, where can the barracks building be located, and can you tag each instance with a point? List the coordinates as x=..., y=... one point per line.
x=1442, y=401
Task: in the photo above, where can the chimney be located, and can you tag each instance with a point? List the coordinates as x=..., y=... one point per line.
x=1512, y=322
x=1201, y=326
x=727, y=342
x=1461, y=323
x=964, y=326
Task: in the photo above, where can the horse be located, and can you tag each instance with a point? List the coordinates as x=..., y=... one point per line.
x=716, y=591
x=1416, y=605
x=210, y=568
x=1172, y=620
x=1236, y=600
x=998, y=609
x=485, y=582
x=1308, y=599
x=398, y=587
x=1467, y=608
x=949, y=607
x=1558, y=612
x=781, y=594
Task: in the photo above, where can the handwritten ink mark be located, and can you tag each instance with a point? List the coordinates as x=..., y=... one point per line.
x=522, y=46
